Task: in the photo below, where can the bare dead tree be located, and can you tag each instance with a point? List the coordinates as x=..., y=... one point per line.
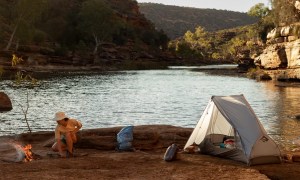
x=25, y=111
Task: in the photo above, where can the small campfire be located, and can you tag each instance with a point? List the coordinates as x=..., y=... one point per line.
x=28, y=155
x=15, y=152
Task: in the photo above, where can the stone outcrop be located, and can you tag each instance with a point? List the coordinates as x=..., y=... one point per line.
x=282, y=53
x=5, y=102
x=274, y=56
x=145, y=137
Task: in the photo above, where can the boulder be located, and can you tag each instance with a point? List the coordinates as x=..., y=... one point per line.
x=282, y=55
x=295, y=29
x=285, y=31
x=293, y=53
x=292, y=38
x=281, y=34
x=145, y=137
x=274, y=33
x=297, y=5
x=5, y=102
x=274, y=56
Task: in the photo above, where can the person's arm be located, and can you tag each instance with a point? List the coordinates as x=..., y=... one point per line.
x=74, y=132
x=78, y=127
x=59, y=147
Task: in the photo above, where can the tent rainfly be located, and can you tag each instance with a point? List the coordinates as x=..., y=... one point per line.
x=229, y=128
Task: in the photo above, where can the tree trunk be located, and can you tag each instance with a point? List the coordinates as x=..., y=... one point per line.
x=95, y=52
x=11, y=38
x=96, y=45
x=17, y=45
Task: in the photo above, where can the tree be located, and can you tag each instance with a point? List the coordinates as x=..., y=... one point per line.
x=162, y=40
x=258, y=10
x=284, y=12
x=98, y=22
x=236, y=46
x=59, y=21
x=198, y=41
x=265, y=23
x=23, y=13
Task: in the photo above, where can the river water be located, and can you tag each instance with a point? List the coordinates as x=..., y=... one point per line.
x=176, y=96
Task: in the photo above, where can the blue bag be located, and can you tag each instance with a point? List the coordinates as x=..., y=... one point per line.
x=125, y=138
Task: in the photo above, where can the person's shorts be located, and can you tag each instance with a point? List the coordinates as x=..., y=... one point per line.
x=63, y=140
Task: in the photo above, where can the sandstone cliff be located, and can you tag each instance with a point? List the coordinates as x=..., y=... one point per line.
x=281, y=58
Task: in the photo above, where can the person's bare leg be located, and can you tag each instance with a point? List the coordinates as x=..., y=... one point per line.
x=69, y=141
x=74, y=137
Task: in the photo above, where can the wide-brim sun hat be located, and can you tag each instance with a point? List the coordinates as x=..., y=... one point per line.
x=60, y=116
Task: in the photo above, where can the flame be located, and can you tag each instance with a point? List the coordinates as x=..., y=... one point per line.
x=24, y=152
x=28, y=153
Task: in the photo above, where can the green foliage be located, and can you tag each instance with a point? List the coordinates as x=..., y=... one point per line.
x=284, y=12
x=258, y=10
x=98, y=22
x=217, y=55
x=21, y=16
x=198, y=41
x=16, y=60
x=176, y=21
x=265, y=23
x=22, y=79
x=184, y=50
x=39, y=37
x=25, y=32
x=71, y=25
x=96, y=19
x=236, y=45
x=221, y=45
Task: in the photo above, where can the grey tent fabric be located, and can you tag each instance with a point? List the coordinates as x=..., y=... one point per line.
x=232, y=116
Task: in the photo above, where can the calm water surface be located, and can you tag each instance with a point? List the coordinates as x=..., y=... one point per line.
x=177, y=96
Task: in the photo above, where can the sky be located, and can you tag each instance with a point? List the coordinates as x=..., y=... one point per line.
x=231, y=5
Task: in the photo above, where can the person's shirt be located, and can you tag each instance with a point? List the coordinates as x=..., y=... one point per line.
x=72, y=124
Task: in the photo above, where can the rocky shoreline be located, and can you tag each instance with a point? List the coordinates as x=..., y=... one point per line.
x=96, y=157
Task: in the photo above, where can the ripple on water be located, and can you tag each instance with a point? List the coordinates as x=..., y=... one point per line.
x=175, y=97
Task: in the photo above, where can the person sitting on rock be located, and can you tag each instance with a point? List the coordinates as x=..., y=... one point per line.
x=65, y=134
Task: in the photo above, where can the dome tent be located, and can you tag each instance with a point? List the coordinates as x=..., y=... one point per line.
x=232, y=117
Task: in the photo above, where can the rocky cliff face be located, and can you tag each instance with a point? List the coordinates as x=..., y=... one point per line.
x=281, y=58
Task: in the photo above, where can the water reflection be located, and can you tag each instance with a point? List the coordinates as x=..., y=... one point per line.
x=176, y=97
x=287, y=107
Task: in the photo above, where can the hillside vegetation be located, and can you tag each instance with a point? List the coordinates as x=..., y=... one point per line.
x=83, y=32
x=175, y=21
